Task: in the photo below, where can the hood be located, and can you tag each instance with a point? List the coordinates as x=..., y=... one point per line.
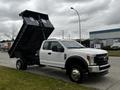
x=90, y=51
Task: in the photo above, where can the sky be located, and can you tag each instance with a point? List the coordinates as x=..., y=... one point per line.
x=95, y=15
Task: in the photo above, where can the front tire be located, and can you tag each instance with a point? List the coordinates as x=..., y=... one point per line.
x=76, y=73
x=21, y=65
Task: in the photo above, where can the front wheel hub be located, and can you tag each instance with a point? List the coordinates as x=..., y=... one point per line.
x=75, y=74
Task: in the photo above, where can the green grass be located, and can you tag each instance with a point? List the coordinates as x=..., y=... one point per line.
x=11, y=79
x=114, y=53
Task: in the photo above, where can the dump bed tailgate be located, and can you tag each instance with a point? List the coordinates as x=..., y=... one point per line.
x=36, y=28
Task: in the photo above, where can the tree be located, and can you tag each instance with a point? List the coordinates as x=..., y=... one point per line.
x=11, y=35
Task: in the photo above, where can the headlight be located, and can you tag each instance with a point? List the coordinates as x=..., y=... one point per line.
x=91, y=59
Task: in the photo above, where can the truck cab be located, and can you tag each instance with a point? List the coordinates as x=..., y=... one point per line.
x=74, y=57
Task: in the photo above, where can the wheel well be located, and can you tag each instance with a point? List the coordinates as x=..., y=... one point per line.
x=76, y=60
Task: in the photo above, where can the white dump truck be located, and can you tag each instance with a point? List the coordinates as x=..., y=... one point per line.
x=31, y=46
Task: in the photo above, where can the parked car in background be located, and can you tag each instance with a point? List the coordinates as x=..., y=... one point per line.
x=116, y=45
x=5, y=45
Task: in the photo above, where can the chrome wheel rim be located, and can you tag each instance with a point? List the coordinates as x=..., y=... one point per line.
x=75, y=74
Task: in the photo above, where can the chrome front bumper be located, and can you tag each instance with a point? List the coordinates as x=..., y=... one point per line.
x=98, y=69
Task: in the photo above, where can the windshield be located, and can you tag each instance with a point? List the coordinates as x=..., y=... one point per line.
x=72, y=44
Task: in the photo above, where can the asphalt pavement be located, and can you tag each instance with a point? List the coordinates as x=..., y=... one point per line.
x=111, y=81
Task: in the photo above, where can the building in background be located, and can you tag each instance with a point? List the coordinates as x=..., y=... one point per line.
x=99, y=39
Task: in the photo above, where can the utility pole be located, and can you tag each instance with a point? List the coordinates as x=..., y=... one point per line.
x=79, y=24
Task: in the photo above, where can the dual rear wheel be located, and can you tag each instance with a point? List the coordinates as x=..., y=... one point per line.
x=21, y=65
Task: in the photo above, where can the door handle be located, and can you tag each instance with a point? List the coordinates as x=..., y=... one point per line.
x=49, y=53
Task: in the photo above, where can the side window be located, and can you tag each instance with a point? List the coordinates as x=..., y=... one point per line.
x=55, y=43
x=46, y=45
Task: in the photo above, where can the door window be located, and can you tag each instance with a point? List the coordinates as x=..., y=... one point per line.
x=57, y=44
x=46, y=45
x=49, y=44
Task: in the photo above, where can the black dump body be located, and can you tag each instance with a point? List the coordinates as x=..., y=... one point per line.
x=36, y=28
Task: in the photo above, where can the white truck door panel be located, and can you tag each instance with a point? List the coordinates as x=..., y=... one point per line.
x=57, y=59
x=52, y=58
x=44, y=53
x=44, y=57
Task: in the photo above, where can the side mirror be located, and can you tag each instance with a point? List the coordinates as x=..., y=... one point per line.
x=61, y=50
x=55, y=49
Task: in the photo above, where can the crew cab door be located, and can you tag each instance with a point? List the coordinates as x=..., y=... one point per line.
x=54, y=55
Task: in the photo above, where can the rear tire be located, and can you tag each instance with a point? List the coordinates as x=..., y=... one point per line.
x=21, y=65
x=76, y=73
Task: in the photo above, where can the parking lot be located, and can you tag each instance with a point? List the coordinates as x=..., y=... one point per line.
x=109, y=82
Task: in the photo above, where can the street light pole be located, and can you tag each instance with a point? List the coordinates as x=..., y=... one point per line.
x=62, y=34
x=79, y=24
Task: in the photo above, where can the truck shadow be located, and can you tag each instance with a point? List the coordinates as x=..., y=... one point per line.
x=61, y=75
x=50, y=72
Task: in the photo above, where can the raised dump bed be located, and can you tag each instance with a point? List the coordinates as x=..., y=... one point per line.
x=35, y=29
